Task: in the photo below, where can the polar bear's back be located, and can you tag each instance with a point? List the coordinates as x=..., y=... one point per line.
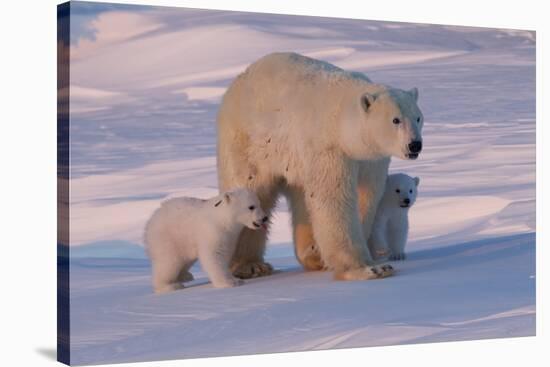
x=290, y=67
x=282, y=84
x=288, y=87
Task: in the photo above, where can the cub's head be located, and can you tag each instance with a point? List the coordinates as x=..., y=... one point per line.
x=244, y=207
x=401, y=190
x=389, y=124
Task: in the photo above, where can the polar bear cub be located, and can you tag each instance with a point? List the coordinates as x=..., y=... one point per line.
x=391, y=223
x=185, y=229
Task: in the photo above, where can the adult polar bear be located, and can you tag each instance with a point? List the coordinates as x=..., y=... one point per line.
x=304, y=128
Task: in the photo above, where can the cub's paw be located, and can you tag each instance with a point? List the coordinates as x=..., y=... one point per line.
x=237, y=282
x=228, y=283
x=398, y=257
x=253, y=270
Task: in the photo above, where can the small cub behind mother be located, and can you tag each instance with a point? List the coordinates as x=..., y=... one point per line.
x=307, y=129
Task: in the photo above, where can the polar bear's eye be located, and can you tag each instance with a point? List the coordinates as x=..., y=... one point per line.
x=398, y=191
x=410, y=191
x=396, y=121
x=418, y=119
x=251, y=207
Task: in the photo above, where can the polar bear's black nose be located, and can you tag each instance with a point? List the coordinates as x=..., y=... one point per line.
x=264, y=219
x=407, y=201
x=415, y=146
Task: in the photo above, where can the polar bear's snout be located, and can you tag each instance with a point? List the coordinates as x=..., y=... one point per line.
x=415, y=147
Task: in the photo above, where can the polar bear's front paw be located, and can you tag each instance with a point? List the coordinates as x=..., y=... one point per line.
x=253, y=270
x=365, y=273
x=167, y=288
x=398, y=257
x=384, y=271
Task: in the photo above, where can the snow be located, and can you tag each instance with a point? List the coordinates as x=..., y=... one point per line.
x=203, y=93
x=143, y=107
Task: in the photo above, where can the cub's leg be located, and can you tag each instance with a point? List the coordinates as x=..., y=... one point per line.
x=214, y=257
x=378, y=244
x=166, y=272
x=371, y=184
x=398, y=240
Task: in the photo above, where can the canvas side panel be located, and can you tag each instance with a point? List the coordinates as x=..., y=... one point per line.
x=63, y=235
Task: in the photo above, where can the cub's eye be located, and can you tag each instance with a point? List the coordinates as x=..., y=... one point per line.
x=418, y=119
x=251, y=207
x=398, y=191
x=396, y=121
x=410, y=191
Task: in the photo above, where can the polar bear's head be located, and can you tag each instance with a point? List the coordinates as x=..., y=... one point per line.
x=401, y=190
x=389, y=124
x=244, y=207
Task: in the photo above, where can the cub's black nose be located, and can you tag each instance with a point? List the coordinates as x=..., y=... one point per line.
x=407, y=201
x=415, y=146
x=264, y=219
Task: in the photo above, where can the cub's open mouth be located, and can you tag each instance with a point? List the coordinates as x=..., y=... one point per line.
x=263, y=225
x=412, y=155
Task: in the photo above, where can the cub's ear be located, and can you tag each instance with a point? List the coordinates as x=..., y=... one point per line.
x=416, y=180
x=367, y=100
x=226, y=199
x=414, y=93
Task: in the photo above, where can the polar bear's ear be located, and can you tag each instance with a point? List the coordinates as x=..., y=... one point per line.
x=414, y=93
x=416, y=180
x=367, y=100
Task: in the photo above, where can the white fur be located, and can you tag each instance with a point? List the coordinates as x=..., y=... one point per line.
x=184, y=229
x=391, y=225
x=298, y=126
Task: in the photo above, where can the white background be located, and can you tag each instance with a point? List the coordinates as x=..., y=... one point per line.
x=28, y=151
